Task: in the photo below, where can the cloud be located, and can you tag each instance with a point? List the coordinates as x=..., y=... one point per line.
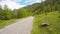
x=36, y=1
x=16, y=0
x=28, y=1
x=15, y=4
x=11, y=0
x=11, y=4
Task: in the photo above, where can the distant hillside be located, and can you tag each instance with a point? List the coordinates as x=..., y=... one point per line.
x=46, y=6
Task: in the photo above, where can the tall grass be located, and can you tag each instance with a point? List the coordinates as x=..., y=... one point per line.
x=52, y=18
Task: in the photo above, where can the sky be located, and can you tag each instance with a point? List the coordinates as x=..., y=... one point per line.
x=15, y=4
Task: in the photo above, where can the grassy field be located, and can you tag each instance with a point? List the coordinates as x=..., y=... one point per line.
x=4, y=23
x=52, y=18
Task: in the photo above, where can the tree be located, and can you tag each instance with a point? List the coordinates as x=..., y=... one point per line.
x=1, y=12
x=21, y=13
x=6, y=13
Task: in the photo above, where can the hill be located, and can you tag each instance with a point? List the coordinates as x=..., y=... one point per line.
x=47, y=12
x=52, y=18
x=45, y=6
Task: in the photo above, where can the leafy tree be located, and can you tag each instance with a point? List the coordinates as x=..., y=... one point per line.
x=1, y=12
x=21, y=13
x=6, y=13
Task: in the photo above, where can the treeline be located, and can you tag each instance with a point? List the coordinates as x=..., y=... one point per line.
x=7, y=14
x=37, y=8
x=45, y=7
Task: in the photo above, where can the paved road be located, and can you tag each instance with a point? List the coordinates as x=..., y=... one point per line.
x=23, y=26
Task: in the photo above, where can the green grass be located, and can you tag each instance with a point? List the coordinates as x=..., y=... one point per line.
x=52, y=18
x=4, y=23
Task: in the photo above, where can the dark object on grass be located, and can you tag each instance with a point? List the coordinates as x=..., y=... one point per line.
x=44, y=24
x=59, y=16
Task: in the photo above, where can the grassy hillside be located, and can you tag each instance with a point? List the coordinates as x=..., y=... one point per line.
x=52, y=18
x=4, y=23
x=45, y=6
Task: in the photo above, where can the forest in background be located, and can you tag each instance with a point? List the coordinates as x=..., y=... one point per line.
x=44, y=7
x=34, y=9
x=7, y=14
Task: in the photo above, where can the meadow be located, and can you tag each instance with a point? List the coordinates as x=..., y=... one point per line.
x=52, y=18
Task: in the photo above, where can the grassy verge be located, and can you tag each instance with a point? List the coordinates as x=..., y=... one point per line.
x=4, y=23
x=52, y=18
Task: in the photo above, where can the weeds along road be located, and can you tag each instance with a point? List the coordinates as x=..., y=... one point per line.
x=23, y=26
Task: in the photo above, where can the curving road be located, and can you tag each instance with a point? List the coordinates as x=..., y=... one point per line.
x=23, y=26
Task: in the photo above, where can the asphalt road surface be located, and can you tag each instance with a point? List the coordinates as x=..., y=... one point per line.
x=23, y=26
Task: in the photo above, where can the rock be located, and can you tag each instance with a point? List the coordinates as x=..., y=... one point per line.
x=44, y=24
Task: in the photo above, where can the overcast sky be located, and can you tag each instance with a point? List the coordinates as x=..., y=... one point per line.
x=15, y=4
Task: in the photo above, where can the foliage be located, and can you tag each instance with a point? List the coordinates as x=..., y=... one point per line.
x=7, y=14
x=44, y=7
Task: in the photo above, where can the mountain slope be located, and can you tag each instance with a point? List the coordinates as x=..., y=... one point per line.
x=46, y=6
